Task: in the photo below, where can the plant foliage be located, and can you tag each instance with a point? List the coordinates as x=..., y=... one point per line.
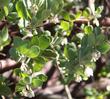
x=73, y=53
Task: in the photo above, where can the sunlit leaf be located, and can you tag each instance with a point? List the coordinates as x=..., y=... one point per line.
x=88, y=29
x=38, y=64
x=104, y=47
x=21, y=9
x=44, y=42
x=36, y=82
x=33, y=52
x=4, y=34
x=65, y=25
x=86, y=13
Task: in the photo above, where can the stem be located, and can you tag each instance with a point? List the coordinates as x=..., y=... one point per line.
x=92, y=5
x=27, y=61
x=65, y=86
x=26, y=3
x=68, y=92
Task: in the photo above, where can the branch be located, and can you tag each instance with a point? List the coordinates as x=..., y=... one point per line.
x=92, y=5
x=8, y=64
x=103, y=22
x=65, y=86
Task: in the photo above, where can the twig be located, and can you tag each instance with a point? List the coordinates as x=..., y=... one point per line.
x=108, y=3
x=92, y=5
x=68, y=92
x=8, y=64
x=65, y=86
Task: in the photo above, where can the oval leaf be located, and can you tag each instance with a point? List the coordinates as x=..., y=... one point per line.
x=44, y=42
x=21, y=9
x=4, y=34
x=33, y=52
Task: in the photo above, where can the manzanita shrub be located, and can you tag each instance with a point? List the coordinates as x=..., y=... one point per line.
x=74, y=54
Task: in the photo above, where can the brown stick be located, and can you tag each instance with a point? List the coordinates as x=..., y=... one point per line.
x=103, y=22
x=8, y=64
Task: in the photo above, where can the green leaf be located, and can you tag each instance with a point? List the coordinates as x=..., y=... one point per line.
x=103, y=47
x=27, y=80
x=36, y=82
x=4, y=3
x=2, y=14
x=55, y=5
x=6, y=10
x=2, y=79
x=21, y=9
x=17, y=71
x=38, y=64
x=91, y=40
x=20, y=45
x=25, y=48
x=88, y=91
x=34, y=41
x=100, y=38
x=65, y=25
x=3, y=44
x=97, y=30
x=12, y=17
x=44, y=42
x=20, y=86
x=33, y=52
x=70, y=51
x=88, y=29
x=86, y=48
x=65, y=15
x=41, y=16
x=42, y=77
x=13, y=54
x=23, y=75
x=87, y=12
x=48, y=53
x=17, y=41
x=47, y=33
x=4, y=38
x=78, y=14
x=4, y=34
x=45, y=9
x=4, y=90
x=99, y=10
